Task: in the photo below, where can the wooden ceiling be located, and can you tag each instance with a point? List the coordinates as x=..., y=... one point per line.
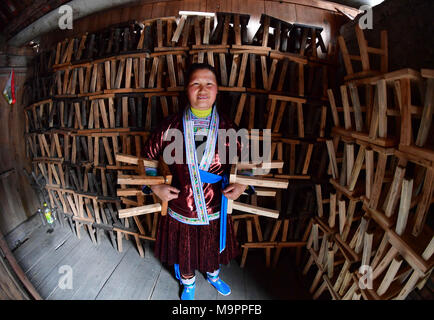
x=15, y=15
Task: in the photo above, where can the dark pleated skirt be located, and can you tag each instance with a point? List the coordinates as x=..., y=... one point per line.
x=194, y=247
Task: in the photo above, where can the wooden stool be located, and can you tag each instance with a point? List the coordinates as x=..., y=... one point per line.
x=303, y=40
x=138, y=207
x=364, y=50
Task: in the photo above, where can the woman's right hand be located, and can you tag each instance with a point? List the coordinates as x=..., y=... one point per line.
x=165, y=192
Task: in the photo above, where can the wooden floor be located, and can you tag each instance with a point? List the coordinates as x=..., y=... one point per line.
x=101, y=272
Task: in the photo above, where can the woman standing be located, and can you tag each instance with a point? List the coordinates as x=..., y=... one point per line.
x=196, y=234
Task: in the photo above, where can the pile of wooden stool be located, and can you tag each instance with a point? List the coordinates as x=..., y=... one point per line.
x=381, y=162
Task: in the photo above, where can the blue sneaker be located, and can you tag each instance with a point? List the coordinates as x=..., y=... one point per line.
x=217, y=283
x=188, y=292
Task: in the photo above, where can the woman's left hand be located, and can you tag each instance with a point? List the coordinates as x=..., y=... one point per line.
x=234, y=190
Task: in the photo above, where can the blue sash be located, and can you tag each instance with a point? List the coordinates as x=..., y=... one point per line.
x=208, y=177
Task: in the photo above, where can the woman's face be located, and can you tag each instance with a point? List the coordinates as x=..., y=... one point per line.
x=202, y=89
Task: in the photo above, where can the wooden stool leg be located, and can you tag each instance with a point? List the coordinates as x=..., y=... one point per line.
x=139, y=246
x=77, y=229
x=258, y=228
x=249, y=239
x=91, y=233
x=244, y=257
x=127, y=224
x=236, y=223
x=283, y=239
x=308, y=265
x=272, y=238
x=154, y=224
x=119, y=236
x=316, y=280
x=320, y=290
x=305, y=238
x=378, y=181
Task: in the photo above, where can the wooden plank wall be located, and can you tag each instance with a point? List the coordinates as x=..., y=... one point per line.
x=17, y=198
x=385, y=134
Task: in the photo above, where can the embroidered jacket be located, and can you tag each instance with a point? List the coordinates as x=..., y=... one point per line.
x=183, y=208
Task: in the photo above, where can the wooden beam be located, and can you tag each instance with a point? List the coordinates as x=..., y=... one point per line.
x=17, y=269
